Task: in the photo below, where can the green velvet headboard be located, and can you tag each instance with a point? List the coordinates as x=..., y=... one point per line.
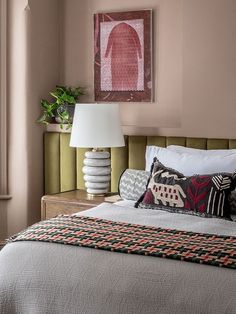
x=63, y=164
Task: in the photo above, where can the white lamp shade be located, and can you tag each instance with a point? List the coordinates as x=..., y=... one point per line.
x=96, y=126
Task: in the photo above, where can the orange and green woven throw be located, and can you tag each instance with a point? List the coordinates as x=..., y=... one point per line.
x=122, y=237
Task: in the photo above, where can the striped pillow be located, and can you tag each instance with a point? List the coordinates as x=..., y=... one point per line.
x=203, y=195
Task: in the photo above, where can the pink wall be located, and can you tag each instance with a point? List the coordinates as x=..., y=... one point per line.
x=33, y=42
x=194, y=64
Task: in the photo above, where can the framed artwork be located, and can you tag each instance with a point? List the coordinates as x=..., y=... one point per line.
x=123, y=56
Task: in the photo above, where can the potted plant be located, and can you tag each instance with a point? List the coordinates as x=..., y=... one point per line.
x=62, y=109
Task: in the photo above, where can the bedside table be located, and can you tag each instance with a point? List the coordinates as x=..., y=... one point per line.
x=68, y=203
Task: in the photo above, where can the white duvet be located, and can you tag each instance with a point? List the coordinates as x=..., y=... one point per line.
x=124, y=211
x=48, y=278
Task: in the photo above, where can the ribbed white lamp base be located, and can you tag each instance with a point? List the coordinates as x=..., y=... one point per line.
x=97, y=172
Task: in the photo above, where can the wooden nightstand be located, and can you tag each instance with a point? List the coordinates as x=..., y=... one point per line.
x=69, y=203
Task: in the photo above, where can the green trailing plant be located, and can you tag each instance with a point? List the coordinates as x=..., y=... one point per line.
x=59, y=110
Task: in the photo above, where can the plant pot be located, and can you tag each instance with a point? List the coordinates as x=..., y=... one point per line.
x=65, y=114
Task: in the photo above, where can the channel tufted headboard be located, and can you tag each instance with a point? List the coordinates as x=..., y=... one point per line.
x=63, y=164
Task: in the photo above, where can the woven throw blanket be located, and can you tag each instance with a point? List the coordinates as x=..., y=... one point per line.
x=122, y=237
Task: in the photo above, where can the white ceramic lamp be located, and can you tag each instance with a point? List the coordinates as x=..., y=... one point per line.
x=97, y=126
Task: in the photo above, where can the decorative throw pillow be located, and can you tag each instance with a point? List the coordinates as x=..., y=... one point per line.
x=133, y=184
x=203, y=195
x=232, y=202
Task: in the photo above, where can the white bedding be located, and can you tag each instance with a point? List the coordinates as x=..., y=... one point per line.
x=43, y=278
x=124, y=211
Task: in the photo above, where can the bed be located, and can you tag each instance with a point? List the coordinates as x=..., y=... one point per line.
x=38, y=277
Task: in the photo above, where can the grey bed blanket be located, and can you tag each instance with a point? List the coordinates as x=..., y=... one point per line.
x=40, y=278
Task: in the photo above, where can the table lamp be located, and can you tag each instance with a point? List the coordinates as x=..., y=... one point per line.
x=97, y=126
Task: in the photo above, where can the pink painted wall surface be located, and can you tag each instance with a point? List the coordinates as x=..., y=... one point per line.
x=33, y=41
x=194, y=64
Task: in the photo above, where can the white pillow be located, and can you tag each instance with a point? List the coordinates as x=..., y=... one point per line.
x=190, y=164
x=151, y=152
x=195, y=151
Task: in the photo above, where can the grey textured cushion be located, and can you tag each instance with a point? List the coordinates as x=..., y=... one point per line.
x=133, y=183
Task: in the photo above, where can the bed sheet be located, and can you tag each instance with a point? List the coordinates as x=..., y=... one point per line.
x=124, y=211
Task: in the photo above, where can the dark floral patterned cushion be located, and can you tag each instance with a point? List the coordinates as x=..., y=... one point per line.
x=232, y=201
x=203, y=195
